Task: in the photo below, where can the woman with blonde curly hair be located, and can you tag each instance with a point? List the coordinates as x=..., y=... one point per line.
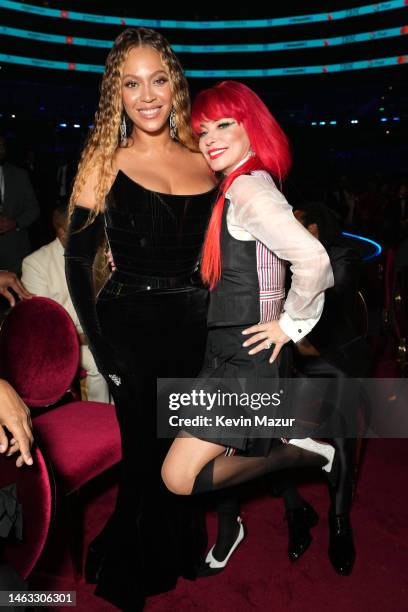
x=142, y=183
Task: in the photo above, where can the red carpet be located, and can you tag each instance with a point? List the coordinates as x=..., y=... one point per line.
x=260, y=577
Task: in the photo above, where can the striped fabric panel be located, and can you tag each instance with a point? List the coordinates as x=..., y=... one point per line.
x=271, y=276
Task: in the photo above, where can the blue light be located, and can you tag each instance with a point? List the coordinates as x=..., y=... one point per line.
x=229, y=73
x=235, y=48
x=384, y=119
x=203, y=25
x=396, y=118
x=378, y=248
x=333, y=122
x=322, y=123
x=63, y=125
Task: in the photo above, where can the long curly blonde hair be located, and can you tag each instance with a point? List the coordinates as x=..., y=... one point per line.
x=104, y=138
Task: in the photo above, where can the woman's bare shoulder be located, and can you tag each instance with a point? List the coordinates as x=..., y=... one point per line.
x=87, y=195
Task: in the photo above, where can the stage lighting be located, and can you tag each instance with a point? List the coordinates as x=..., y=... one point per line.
x=377, y=247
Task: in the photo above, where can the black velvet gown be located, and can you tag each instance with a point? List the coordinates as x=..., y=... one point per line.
x=149, y=321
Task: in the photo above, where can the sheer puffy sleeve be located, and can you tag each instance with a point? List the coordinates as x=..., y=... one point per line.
x=260, y=209
x=80, y=252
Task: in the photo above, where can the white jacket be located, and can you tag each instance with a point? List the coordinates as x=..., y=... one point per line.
x=44, y=275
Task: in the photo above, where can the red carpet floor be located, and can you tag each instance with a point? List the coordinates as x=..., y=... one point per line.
x=259, y=575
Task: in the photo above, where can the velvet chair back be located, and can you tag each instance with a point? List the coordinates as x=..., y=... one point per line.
x=39, y=351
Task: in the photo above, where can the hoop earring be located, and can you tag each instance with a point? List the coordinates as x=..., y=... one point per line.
x=172, y=123
x=123, y=131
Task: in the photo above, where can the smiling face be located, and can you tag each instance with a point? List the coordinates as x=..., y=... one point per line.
x=224, y=143
x=146, y=91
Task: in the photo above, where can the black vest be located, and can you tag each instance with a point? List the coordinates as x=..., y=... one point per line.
x=235, y=298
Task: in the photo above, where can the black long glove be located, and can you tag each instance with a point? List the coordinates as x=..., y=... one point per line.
x=80, y=252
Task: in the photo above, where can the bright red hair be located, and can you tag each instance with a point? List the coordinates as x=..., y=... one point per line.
x=268, y=142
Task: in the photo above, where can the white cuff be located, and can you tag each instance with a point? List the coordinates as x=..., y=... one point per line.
x=296, y=329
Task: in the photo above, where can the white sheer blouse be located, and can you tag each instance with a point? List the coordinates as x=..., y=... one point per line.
x=259, y=211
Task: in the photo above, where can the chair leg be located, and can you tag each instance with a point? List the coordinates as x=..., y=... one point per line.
x=75, y=519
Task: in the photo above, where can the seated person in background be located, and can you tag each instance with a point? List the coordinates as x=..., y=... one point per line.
x=10, y=281
x=15, y=435
x=18, y=210
x=15, y=418
x=335, y=338
x=334, y=348
x=44, y=275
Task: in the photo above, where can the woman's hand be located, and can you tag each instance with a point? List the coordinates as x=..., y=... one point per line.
x=266, y=334
x=15, y=417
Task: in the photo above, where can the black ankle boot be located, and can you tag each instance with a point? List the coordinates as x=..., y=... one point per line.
x=341, y=544
x=300, y=520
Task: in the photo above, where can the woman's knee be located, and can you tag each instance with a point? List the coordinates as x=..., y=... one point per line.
x=176, y=479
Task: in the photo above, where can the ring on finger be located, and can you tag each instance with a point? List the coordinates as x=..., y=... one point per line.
x=268, y=344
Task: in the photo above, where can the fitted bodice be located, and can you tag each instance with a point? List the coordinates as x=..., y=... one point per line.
x=235, y=298
x=153, y=234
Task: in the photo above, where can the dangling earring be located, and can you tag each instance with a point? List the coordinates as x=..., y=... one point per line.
x=172, y=123
x=123, y=132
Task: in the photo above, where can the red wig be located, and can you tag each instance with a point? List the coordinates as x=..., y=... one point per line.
x=268, y=142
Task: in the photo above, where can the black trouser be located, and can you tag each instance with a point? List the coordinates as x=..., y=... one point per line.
x=341, y=489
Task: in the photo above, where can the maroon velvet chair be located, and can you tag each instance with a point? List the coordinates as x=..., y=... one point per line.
x=36, y=492
x=39, y=356
x=39, y=351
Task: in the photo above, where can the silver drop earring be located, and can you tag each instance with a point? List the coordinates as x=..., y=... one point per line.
x=172, y=123
x=123, y=132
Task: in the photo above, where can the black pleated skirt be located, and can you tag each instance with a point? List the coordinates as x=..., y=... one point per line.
x=226, y=358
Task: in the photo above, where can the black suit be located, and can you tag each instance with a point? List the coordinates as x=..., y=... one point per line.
x=335, y=335
x=343, y=353
x=21, y=205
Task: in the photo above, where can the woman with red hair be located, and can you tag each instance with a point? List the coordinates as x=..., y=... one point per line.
x=251, y=222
